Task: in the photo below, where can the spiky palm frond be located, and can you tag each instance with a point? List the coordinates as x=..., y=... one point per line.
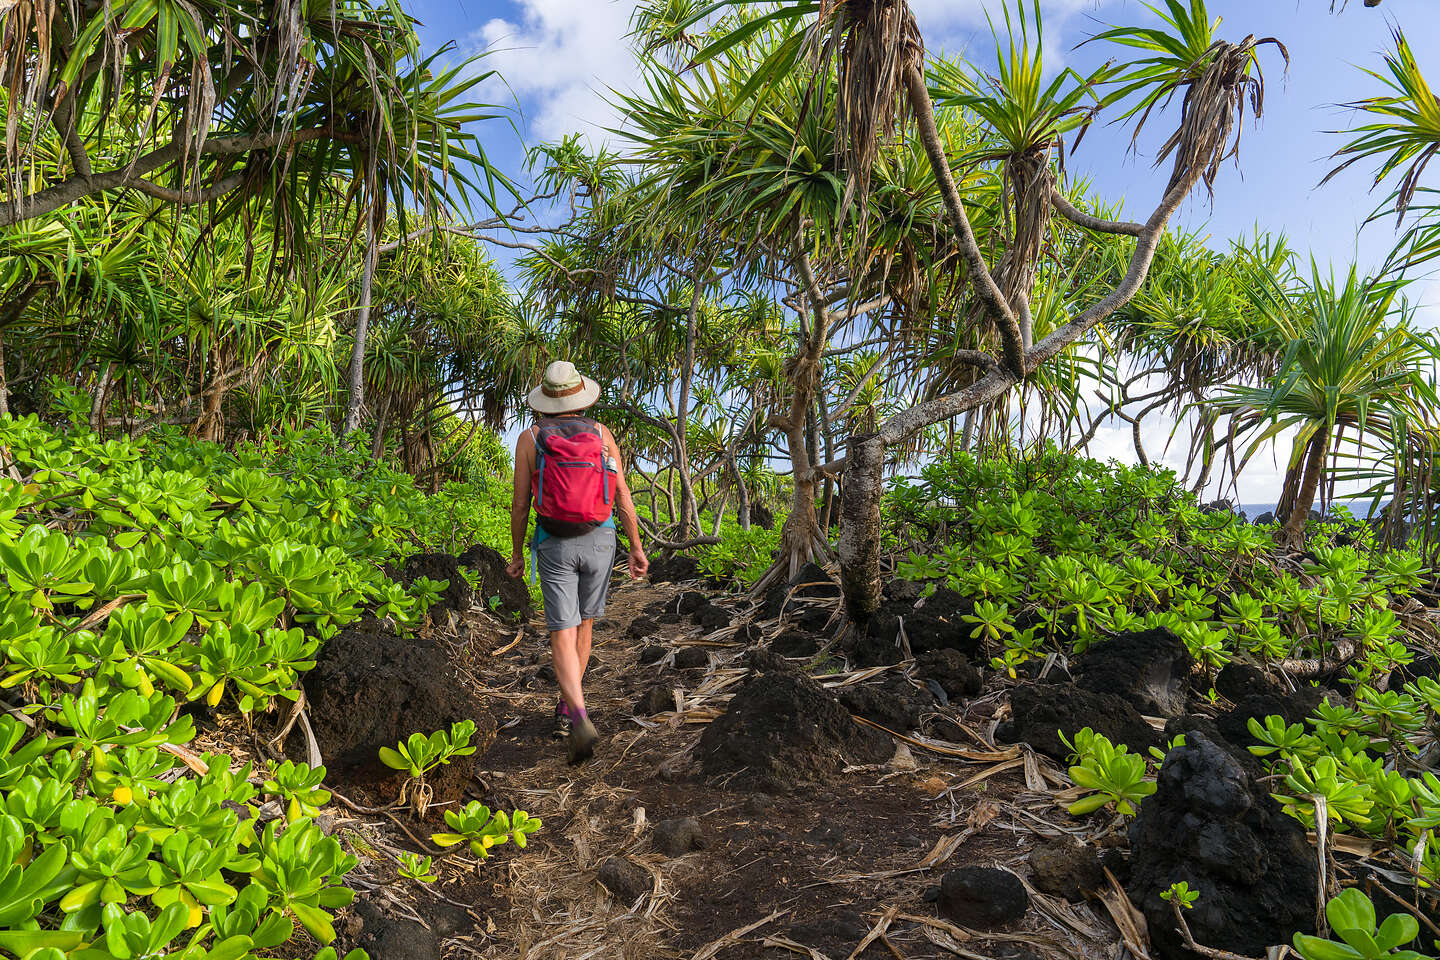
x=1218, y=80
x=1351, y=362
x=1404, y=135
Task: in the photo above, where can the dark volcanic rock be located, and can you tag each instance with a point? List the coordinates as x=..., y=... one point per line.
x=872, y=650
x=952, y=670
x=1190, y=724
x=982, y=897
x=1065, y=867
x=626, y=881
x=907, y=591
x=674, y=570
x=1294, y=707
x=812, y=581
x=677, y=837
x=795, y=643
x=1213, y=826
x=749, y=633
x=657, y=698
x=781, y=730
x=935, y=624
x=688, y=602
x=1149, y=668
x=1238, y=680
x=895, y=704
x=642, y=627
x=691, y=658
x=383, y=935
x=812, y=618
x=371, y=688
x=456, y=596
x=712, y=617
x=495, y=582
x=651, y=653
x=1041, y=712
x=775, y=601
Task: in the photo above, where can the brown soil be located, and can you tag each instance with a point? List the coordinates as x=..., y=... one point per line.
x=806, y=873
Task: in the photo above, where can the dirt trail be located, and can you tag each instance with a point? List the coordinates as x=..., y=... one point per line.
x=812, y=873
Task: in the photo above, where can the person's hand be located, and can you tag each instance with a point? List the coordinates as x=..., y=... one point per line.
x=639, y=564
x=515, y=568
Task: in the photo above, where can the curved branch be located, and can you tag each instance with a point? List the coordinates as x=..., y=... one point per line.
x=980, y=277
x=1140, y=260
x=57, y=195
x=204, y=195
x=1082, y=219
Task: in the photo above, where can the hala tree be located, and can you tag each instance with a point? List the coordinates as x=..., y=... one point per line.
x=246, y=110
x=1351, y=364
x=876, y=51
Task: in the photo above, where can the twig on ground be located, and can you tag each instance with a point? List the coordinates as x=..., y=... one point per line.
x=1200, y=948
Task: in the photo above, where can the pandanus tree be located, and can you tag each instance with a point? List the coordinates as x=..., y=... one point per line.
x=1192, y=329
x=876, y=51
x=238, y=109
x=1352, y=363
x=1400, y=134
x=756, y=176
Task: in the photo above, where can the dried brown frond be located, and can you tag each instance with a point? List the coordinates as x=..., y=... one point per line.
x=873, y=42
x=1214, y=107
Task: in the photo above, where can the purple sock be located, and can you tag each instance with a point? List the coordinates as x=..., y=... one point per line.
x=575, y=714
x=560, y=708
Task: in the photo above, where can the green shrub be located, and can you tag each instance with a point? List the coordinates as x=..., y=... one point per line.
x=139, y=574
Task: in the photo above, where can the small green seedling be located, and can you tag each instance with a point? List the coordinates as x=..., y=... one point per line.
x=420, y=754
x=417, y=868
x=482, y=829
x=1181, y=894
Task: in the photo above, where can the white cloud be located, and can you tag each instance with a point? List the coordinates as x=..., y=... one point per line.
x=561, y=58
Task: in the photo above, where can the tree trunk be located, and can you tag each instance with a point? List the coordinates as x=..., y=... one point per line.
x=356, y=401
x=859, y=546
x=827, y=437
x=1289, y=490
x=682, y=413
x=4, y=386
x=1292, y=535
x=97, y=401
x=377, y=442
x=742, y=510
x=801, y=539
x=720, y=514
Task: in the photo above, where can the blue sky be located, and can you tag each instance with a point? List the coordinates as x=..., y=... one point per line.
x=559, y=57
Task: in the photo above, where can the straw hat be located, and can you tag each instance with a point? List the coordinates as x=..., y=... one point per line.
x=563, y=390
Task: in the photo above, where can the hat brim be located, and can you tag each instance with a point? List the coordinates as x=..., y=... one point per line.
x=541, y=402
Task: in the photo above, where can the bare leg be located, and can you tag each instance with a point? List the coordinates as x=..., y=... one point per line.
x=582, y=644
x=568, y=665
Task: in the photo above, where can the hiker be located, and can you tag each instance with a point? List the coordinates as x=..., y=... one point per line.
x=569, y=467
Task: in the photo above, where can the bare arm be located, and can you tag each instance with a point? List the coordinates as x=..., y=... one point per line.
x=520, y=502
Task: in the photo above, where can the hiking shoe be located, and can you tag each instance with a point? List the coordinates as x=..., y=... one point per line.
x=561, y=730
x=582, y=739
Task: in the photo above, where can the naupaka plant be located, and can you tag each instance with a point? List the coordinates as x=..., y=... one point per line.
x=482, y=829
x=1113, y=774
x=418, y=754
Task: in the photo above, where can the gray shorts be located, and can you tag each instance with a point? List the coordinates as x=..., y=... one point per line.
x=575, y=576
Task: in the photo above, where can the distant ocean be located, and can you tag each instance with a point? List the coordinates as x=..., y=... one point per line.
x=1360, y=508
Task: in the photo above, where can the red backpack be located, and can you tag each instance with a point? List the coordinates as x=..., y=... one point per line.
x=573, y=481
